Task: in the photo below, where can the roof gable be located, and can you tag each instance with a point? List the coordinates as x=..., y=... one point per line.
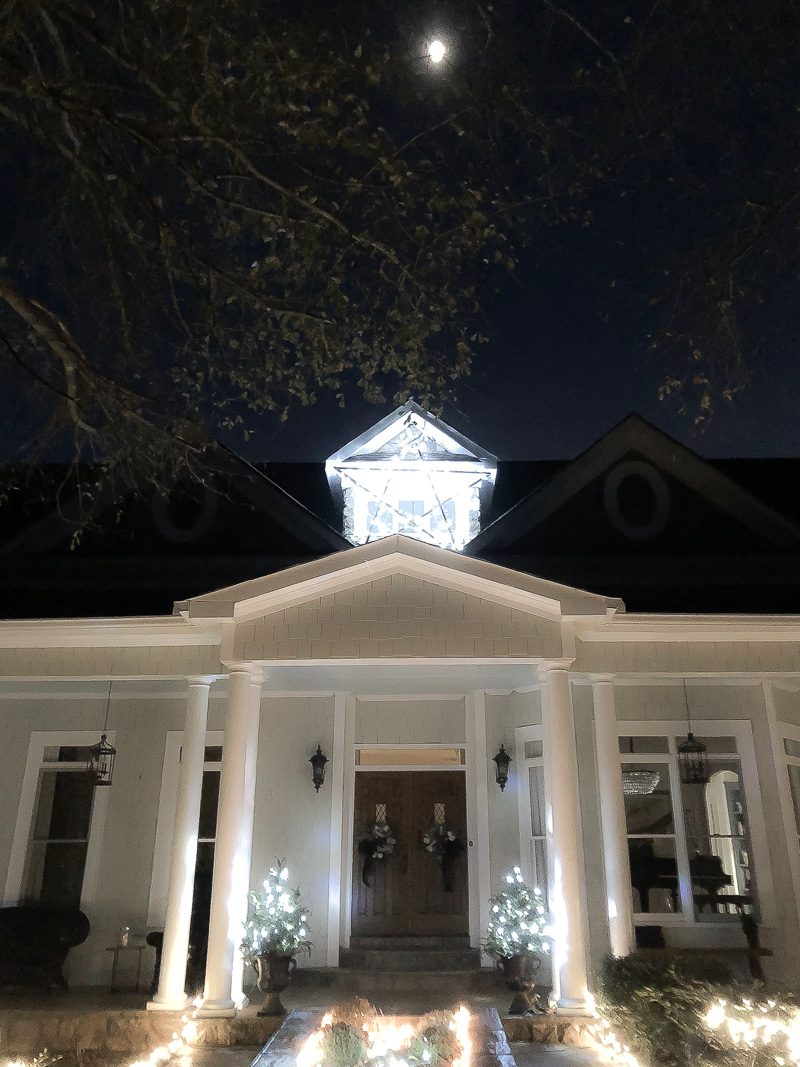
x=396, y=555
x=635, y=447
x=243, y=484
x=410, y=429
x=398, y=616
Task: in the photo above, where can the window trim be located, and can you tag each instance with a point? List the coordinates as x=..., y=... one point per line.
x=165, y=823
x=790, y=733
x=742, y=731
x=526, y=835
x=39, y=741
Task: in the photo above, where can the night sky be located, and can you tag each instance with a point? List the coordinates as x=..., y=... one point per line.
x=568, y=356
x=567, y=361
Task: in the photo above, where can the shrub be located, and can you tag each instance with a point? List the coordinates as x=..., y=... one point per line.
x=662, y=1009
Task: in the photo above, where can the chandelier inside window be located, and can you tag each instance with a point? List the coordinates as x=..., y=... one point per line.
x=639, y=781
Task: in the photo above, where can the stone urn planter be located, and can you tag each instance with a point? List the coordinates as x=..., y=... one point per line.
x=274, y=975
x=520, y=975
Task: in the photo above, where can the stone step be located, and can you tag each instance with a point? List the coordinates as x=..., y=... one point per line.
x=374, y=984
x=418, y=941
x=421, y=983
x=411, y=959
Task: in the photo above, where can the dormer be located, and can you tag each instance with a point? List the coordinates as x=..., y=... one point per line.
x=412, y=474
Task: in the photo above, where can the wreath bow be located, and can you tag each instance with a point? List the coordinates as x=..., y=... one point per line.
x=377, y=843
x=441, y=841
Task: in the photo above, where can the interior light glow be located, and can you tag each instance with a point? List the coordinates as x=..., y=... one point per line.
x=415, y=481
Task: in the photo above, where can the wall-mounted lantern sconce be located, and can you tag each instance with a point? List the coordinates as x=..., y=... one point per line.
x=502, y=762
x=318, y=761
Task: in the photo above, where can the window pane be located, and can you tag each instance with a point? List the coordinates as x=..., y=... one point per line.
x=74, y=753
x=64, y=809
x=717, y=840
x=537, y=800
x=717, y=744
x=209, y=799
x=644, y=745
x=791, y=747
x=410, y=757
x=794, y=782
x=650, y=813
x=533, y=749
x=213, y=754
x=55, y=873
x=539, y=865
x=67, y=753
x=654, y=875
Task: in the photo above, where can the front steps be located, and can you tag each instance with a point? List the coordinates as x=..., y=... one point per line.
x=441, y=968
x=391, y=954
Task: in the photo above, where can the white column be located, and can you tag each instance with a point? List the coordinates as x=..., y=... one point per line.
x=229, y=884
x=337, y=787
x=478, y=870
x=563, y=837
x=612, y=818
x=171, y=995
x=246, y=826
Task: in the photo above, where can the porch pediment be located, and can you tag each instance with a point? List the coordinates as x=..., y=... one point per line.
x=397, y=598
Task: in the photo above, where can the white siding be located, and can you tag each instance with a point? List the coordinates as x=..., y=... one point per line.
x=397, y=617
x=410, y=722
x=167, y=661
x=292, y=822
x=679, y=657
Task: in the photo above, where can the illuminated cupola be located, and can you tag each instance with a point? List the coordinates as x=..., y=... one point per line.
x=415, y=475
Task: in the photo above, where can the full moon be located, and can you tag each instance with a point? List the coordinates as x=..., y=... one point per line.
x=436, y=51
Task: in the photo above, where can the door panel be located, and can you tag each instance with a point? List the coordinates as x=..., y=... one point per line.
x=407, y=894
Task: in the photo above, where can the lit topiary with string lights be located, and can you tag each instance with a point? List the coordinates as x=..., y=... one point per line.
x=276, y=919
x=518, y=919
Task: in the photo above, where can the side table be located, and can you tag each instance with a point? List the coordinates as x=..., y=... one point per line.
x=117, y=949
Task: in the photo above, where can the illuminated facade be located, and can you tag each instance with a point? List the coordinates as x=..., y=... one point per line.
x=415, y=475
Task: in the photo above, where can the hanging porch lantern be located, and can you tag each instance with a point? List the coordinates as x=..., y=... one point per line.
x=692, y=758
x=100, y=765
x=502, y=762
x=318, y=761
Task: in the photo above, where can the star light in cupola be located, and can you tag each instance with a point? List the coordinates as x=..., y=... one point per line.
x=412, y=474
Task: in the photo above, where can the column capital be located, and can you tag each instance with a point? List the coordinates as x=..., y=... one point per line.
x=200, y=679
x=606, y=678
x=239, y=667
x=547, y=666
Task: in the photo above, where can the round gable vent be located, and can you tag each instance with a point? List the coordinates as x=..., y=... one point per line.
x=636, y=500
x=186, y=512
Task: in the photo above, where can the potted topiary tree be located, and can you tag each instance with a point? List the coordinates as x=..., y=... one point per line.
x=516, y=938
x=275, y=932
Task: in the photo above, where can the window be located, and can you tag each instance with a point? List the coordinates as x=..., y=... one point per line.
x=531, y=800
x=791, y=748
x=690, y=847
x=60, y=836
x=204, y=865
x=168, y=803
x=56, y=848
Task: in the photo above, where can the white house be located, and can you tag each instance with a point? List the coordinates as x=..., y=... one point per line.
x=409, y=664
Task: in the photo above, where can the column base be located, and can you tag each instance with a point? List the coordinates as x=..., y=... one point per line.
x=567, y=1006
x=216, y=1009
x=170, y=1005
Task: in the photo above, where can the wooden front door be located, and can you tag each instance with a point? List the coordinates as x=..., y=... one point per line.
x=407, y=894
